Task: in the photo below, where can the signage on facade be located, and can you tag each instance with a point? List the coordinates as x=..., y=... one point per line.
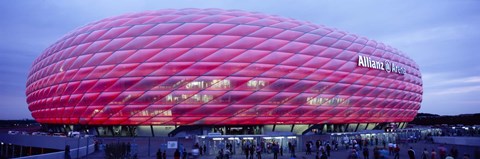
x=386, y=65
x=172, y=144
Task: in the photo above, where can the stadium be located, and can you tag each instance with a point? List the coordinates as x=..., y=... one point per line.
x=199, y=71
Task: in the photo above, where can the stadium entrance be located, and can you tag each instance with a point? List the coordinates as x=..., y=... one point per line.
x=239, y=144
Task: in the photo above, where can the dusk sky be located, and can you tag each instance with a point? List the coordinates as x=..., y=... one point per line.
x=442, y=36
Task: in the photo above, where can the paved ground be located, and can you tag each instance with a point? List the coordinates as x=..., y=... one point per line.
x=340, y=154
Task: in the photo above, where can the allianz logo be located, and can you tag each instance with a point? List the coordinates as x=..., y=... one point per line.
x=385, y=65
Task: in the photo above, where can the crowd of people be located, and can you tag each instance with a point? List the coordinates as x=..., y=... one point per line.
x=251, y=150
x=356, y=148
x=440, y=152
x=119, y=150
x=376, y=150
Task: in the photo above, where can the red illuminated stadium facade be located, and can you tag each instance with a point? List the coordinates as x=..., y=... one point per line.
x=220, y=67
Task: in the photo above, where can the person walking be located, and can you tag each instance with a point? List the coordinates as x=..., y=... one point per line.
x=433, y=154
x=324, y=156
x=365, y=153
x=252, y=150
x=247, y=151
x=353, y=154
x=176, y=155
x=290, y=148
x=309, y=148
x=321, y=149
x=275, y=150
x=293, y=150
x=329, y=148
x=259, y=152
x=227, y=153
x=204, y=149
x=442, y=151
x=281, y=150
x=396, y=152
x=220, y=154
x=454, y=152
x=425, y=154
x=67, y=152
x=184, y=154
x=159, y=154
x=376, y=153
x=411, y=153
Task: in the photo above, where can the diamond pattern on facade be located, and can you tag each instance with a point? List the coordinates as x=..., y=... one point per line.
x=212, y=66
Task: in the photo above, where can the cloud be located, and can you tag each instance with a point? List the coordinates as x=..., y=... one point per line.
x=431, y=76
x=437, y=33
x=458, y=90
x=19, y=110
x=474, y=79
x=476, y=102
x=444, y=89
x=457, y=81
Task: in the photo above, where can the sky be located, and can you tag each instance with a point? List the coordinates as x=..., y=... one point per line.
x=442, y=36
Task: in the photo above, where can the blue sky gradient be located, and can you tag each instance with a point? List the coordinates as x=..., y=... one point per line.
x=442, y=36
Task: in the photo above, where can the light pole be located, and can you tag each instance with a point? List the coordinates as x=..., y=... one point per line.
x=78, y=146
x=86, y=154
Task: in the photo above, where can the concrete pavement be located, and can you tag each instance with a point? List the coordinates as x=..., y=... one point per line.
x=342, y=153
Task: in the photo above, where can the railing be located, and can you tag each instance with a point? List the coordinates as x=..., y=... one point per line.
x=82, y=151
x=467, y=141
